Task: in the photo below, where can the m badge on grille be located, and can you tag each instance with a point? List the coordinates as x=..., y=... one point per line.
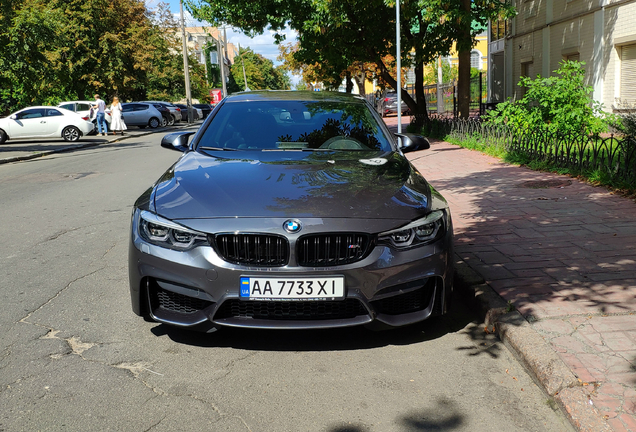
x=292, y=226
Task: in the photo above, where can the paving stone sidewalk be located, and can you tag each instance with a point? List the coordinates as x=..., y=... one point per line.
x=563, y=253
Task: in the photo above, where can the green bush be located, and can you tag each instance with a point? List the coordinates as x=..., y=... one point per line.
x=561, y=103
x=627, y=124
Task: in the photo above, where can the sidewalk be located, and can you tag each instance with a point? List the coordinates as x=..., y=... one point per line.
x=563, y=254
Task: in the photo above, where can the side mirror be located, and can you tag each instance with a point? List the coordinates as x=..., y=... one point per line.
x=13, y=117
x=412, y=142
x=177, y=141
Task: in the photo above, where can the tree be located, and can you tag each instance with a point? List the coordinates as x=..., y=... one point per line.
x=27, y=36
x=55, y=50
x=337, y=34
x=259, y=72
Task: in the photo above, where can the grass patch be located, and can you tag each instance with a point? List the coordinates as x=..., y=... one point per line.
x=596, y=177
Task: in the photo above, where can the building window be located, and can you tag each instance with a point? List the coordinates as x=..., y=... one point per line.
x=498, y=29
x=475, y=59
x=526, y=71
x=573, y=57
x=628, y=75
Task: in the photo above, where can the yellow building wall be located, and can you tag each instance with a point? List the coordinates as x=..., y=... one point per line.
x=481, y=45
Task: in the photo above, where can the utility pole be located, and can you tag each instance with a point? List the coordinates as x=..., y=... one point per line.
x=221, y=63
x=440, y=94
x=186, y=67
x=244, y=76
x=222, y=56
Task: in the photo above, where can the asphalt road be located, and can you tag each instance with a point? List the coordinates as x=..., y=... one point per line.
x=73, y=356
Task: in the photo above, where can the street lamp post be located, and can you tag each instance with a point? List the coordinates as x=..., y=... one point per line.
x=398, y=57
x=186, y=67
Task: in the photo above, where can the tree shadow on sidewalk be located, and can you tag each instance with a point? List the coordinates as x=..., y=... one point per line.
x=549, y=250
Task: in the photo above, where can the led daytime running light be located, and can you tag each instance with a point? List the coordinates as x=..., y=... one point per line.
x=166, y=233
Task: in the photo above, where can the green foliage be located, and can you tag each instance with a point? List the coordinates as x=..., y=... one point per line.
x=449, y=73
x=55, y=50
x=259, y=72
x=626, y=123
x=560, y=103
x=335, y=35
x=477, y=142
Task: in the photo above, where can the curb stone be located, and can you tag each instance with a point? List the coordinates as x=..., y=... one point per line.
x=529, y=347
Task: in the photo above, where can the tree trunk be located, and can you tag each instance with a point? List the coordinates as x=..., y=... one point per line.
x=419, y=107
x=348, y=82
x=421, y=114
x=463, y=84
x=360, y=81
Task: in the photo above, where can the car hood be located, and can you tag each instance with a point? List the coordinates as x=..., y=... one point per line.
x=371, y=185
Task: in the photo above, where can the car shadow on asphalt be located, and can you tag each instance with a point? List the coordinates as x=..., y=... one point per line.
x=461, y=318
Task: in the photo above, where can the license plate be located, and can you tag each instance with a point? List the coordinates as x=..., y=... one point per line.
x=312, y=288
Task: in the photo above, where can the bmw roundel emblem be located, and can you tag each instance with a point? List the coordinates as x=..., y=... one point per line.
x=292, y=226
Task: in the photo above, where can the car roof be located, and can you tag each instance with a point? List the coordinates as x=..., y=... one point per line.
x=294, y=95
x=43, y=106
x=77, y=101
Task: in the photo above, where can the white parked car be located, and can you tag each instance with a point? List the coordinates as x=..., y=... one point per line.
x=83, y=108
x=44, y=122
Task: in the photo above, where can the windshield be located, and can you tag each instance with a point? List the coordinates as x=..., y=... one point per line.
x=294, y=125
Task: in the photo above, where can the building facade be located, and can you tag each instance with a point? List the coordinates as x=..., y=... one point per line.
x=601, y=33
x=198, y=37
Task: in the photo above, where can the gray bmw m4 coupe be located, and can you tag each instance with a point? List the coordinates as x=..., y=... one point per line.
x=291, y=210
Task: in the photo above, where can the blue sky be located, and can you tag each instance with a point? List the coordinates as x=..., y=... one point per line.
x=262, y=44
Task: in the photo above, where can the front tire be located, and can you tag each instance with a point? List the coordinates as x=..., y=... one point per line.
x=171, y=121
x=164, y=122
x=154, y=123
x=3, y=136
x=71, y=134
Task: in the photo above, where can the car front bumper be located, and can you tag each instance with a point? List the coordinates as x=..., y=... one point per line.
x=197, y=289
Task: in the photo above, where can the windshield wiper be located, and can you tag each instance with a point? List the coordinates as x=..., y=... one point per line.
x=217, y=148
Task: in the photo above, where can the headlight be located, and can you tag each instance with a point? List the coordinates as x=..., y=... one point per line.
x=418, y=232
x=165, y=233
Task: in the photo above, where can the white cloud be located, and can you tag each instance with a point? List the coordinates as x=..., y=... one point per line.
x=261, y=44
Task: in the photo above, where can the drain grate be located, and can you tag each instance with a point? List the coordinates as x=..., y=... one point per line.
x=545, y=184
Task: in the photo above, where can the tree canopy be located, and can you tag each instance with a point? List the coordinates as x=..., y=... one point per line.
x=55, y=50
x=260, y=73
x=338, y=34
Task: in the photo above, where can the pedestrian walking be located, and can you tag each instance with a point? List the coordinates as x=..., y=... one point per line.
x=100, y=106
x=117, y=123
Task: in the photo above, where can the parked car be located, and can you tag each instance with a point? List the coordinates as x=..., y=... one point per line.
x=44, y=122
x=175, y=111
x=196, y=112
x=389, y=105
x=166, y=115
x=206, y=109
x=291, y=210
x=141, y=114
x=84, y=109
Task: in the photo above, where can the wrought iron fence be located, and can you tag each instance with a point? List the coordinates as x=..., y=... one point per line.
x=448, y=105
x=614, y=155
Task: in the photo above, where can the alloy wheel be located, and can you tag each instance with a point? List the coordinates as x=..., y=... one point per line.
x=71, y=133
